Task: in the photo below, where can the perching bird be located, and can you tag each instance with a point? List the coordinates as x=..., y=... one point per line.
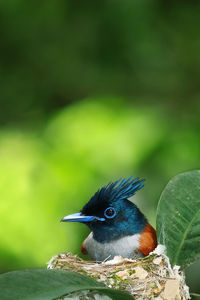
x=117, y=226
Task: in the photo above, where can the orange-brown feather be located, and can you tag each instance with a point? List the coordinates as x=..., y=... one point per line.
x=83, y=250
x=148, y=240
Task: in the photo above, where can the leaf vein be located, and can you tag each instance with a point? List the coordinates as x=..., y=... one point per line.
x=184, y=236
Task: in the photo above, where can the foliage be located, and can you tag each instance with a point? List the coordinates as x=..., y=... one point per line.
x=178, y=218
x=57, y=52
x=40, y=284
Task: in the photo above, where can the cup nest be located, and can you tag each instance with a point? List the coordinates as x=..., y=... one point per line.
x=151, y=277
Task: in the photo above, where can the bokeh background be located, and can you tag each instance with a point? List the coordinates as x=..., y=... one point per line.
x=91, y=91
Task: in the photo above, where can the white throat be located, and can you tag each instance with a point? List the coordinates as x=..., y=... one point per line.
x=125, y=246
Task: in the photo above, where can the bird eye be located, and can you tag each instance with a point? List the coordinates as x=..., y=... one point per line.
x=110, y=213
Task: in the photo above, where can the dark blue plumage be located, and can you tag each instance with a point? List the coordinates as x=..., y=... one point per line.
x=116, y=223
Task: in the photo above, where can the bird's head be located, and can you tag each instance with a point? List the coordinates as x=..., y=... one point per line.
x=109, y=213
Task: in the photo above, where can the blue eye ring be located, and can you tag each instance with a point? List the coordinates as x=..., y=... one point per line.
x=110, y=212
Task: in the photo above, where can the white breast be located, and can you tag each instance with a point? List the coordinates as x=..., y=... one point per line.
x=125, y=247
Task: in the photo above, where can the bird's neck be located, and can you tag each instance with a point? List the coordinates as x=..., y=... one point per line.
x=117, y=231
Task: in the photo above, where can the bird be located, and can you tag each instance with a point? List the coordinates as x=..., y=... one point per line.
x=118, y=227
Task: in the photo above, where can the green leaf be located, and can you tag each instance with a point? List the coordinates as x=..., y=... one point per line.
x=41, y=284
x=178, y=218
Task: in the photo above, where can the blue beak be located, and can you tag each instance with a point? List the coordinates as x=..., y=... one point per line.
x=78, y=217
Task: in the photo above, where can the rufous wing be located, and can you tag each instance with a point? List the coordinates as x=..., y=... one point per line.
x=148, y=240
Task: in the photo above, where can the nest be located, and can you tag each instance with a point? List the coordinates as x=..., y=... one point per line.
x=151, y=277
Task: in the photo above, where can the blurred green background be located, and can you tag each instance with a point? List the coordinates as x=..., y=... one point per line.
x=91, y=91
